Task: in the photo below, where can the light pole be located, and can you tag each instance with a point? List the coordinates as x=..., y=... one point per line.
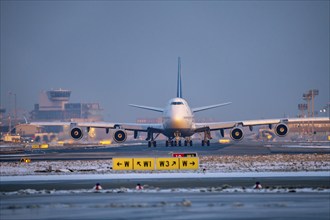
x=313, y=92
x=310, y=96
x=302, y=108
x=307, y=98
x=15, y=110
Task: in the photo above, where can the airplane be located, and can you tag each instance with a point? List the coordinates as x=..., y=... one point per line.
x=178, y=123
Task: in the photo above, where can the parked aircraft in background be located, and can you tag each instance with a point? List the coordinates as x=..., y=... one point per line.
x=177, y=123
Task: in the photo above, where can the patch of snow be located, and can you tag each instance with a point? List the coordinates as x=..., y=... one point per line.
x=308, y=146
x=179, y=190
x=162, y=176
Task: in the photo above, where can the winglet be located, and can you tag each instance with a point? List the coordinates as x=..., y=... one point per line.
x=179, y=85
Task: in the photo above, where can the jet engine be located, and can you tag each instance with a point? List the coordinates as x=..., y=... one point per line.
x=120, y=136
x=236, y=134
x=281, y=130
x=76, y=133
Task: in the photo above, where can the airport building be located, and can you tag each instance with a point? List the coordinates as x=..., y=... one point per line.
x=54, y=105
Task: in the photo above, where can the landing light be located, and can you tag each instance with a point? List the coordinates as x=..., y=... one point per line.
x=105, y=142
x=177, y=119
x=224, y=141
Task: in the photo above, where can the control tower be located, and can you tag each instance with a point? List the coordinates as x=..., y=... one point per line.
x=54, y=105
x=53, y=100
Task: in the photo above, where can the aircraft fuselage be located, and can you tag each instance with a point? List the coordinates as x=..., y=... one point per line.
x=178, y=119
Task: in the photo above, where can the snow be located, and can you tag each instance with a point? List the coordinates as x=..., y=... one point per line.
x=277, y=165
x=178, y=190
x=260, y=166
x=212, y=164
x=161, y=176
x=307, y=146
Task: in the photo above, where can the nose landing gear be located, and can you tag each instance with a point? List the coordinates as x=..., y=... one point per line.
x=176, y=140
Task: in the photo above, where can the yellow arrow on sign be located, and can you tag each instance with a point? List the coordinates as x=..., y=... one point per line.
x=144, y=163
x=189, y=163
x=167, y=163
x=122, y=163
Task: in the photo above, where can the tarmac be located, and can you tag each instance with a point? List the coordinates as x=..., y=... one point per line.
x=188, y=195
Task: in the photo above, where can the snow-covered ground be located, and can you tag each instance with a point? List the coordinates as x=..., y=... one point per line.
x=162, y=175
x=300, y=165
x=221, y=189
x=211, y=164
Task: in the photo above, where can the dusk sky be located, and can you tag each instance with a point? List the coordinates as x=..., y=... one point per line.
x=260, y=55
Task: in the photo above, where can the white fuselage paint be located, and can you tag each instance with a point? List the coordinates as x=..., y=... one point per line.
x=178, y=118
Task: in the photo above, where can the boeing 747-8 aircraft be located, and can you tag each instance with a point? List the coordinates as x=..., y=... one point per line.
x=177, y=124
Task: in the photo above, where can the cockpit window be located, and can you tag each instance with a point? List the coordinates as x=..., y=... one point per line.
x=177, y=103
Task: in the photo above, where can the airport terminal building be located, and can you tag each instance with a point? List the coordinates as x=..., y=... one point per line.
x=54, y=105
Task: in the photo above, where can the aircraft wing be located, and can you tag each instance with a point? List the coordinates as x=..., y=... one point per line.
x=109, y=125
x=209, y=107
x=231, y=124
x=148, y=108
x=139, y=127
x=79, y=124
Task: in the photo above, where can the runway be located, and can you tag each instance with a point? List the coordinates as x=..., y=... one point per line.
x=166, y=180
x=283, y=197
x=141, y=150
x=167, y=205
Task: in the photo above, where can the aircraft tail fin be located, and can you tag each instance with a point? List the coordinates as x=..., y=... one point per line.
x=179, y=84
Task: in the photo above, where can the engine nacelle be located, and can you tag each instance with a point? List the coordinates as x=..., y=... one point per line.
x=76, y=133
x=120, y=136
x=281, y=130
x=236, y=134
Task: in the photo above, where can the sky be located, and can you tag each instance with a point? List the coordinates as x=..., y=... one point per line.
x=259, y=55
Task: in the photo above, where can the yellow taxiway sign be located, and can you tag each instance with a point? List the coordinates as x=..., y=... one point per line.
x=144, y=163
x=189, y=163
x=167, y=163
x=122, y=163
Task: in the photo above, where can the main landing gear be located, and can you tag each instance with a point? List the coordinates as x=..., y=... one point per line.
x=152, y=143
x=176, y=140
x=207, y=142
x=187, y=142
x=151, y=138
x=207, y=138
